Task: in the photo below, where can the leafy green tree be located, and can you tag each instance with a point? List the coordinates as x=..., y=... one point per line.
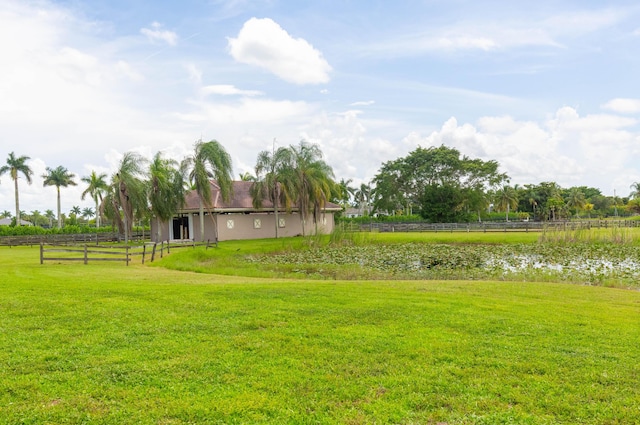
x=416, y=178
x=273, y=175
x=506, y=198
x=16, y=166
x=209, y=161
x=5, y=214
x=442, y=204
x=312, y=180
x=96, y=188
x=166, y=189
x=58, y=177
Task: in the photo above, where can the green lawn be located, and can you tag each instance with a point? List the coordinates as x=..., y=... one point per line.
x=106, y=343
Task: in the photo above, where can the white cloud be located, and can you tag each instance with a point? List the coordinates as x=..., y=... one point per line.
x=488, y=36
x=263, y=43
x=363, y=103
x=157, y=34
x=229, y=90
x=567, y=148
x=623, y=105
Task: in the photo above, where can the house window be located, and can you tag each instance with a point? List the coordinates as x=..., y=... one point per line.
x=257, y=223
x=230, y=224
x=281, y=222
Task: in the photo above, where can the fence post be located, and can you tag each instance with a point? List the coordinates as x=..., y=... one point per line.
x=144, y=252
x=126, y=253
x=153, y=252
x=85, y=254
x=41, y=252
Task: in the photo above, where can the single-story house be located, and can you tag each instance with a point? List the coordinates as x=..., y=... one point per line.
x=8, y=221
x=238, y=219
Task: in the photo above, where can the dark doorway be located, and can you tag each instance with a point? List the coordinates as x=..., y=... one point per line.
x=181, y=228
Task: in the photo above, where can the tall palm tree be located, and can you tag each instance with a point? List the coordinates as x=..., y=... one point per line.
x=127, y=192
x=210, y=160
x=96, y=187
x=272, y=169
x=16, y=166
x=506, y=198
x=58, y=177
x=5, y=214
x=166, y=189
x=312, y=180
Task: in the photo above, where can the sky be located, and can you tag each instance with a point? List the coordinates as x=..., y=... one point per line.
x=549, y=89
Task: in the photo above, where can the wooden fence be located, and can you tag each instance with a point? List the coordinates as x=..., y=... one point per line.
x=69, y=239
x=504, y=226
x=126, y=254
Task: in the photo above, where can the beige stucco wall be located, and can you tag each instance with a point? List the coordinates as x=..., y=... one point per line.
x=248, y=226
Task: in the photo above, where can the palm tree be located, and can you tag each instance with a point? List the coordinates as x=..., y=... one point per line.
x=166, y=189
x=362, y=197
x=576, y=200
x=127, y=192
x=36, y=217
x=5, y=214
x=312, y=180
x=58, y=177
x=272, y=169
x=74, y=213
x=246, y=177
x=209, y=161
x=14, y=167
x=87, y=213
x=506, y=198
x=635, y=190
x=344, y=192
x=96, y=187
x=49, y=214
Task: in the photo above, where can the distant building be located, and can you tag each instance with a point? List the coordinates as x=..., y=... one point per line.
x=8, y=221
x=238, y=219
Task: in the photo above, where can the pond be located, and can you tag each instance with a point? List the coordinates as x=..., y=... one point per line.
x=592, y=264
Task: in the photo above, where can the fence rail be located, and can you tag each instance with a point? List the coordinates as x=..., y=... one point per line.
x=505, y=226
x=127, y=253
x=69, y=239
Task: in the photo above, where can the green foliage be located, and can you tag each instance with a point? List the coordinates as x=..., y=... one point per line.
x=437, y=174
x=443, y=204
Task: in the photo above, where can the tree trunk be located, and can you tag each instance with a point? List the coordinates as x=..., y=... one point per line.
x=97, y=215
x=59, y=213
x=276, y=203
x=201, y=221
x=17, y=202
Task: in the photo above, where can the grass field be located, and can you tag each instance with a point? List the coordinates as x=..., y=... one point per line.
x=108, y=344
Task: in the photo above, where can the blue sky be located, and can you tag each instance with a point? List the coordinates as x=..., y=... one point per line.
x=549, y=89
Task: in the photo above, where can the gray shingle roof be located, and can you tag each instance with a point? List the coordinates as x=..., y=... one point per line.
x=241, y=200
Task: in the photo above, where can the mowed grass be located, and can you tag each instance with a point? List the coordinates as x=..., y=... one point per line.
x=105, y=343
